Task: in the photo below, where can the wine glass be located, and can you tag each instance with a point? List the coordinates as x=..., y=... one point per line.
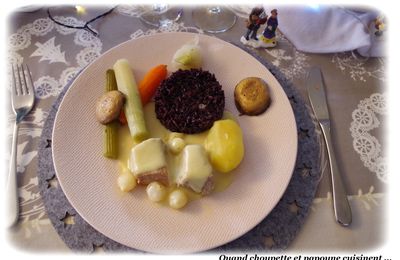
x=160, y=15
x=214, y=19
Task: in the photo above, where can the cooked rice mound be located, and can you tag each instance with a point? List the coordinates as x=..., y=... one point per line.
x=189, y=101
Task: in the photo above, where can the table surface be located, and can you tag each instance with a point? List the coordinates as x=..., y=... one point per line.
x=356, y=98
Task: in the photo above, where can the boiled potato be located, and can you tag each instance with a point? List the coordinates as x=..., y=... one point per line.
x=224, y=144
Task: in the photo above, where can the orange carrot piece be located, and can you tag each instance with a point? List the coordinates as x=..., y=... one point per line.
x=151, y=81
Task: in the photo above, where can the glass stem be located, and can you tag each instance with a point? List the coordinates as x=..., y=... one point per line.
x=160, y=8
x=214, y=9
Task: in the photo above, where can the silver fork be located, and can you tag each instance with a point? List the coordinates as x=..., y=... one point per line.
x=22, y=100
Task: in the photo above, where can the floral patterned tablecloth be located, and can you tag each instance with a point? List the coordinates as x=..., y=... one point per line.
x=356, y=96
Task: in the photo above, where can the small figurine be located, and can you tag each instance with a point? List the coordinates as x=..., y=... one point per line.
x=268, y=38
x=257, y=17
x=379, y=25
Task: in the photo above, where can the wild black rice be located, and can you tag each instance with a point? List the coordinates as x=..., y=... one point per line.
x=189, y=101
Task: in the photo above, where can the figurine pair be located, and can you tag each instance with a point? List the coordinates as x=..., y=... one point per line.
x=257, y=18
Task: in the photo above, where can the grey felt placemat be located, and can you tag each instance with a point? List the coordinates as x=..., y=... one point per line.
x=275, y=232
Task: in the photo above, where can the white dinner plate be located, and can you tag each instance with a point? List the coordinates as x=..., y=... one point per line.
x=90, y=181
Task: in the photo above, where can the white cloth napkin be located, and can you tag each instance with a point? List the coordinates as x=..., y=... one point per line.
x=328, y=29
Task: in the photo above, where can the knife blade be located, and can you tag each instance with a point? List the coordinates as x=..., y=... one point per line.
x=316, y=94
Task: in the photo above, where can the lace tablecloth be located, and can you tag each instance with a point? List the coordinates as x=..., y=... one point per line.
x=356, y=95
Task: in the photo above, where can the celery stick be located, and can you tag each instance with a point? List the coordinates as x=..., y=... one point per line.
x=111, y=82
x=133, y=105
x=111, y=140
x=110, y=130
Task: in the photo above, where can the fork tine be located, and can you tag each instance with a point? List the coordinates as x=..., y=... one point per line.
x=19, y=85
x=24, y=87
x=30, y=85
x=14, y=87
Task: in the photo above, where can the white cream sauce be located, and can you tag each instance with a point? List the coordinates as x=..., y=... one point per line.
x=156, y=129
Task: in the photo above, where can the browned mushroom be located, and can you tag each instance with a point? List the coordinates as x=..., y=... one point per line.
x=108, y=106
x=252, y=96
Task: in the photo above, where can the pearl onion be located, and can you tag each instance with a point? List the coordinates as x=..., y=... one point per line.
x=177, y=199
x=155, y=191
x=176, y=145
x=126, y=181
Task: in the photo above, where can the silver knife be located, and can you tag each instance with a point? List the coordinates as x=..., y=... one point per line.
x=316, y=94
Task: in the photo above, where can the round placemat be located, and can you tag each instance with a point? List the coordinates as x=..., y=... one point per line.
x=275, y=232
